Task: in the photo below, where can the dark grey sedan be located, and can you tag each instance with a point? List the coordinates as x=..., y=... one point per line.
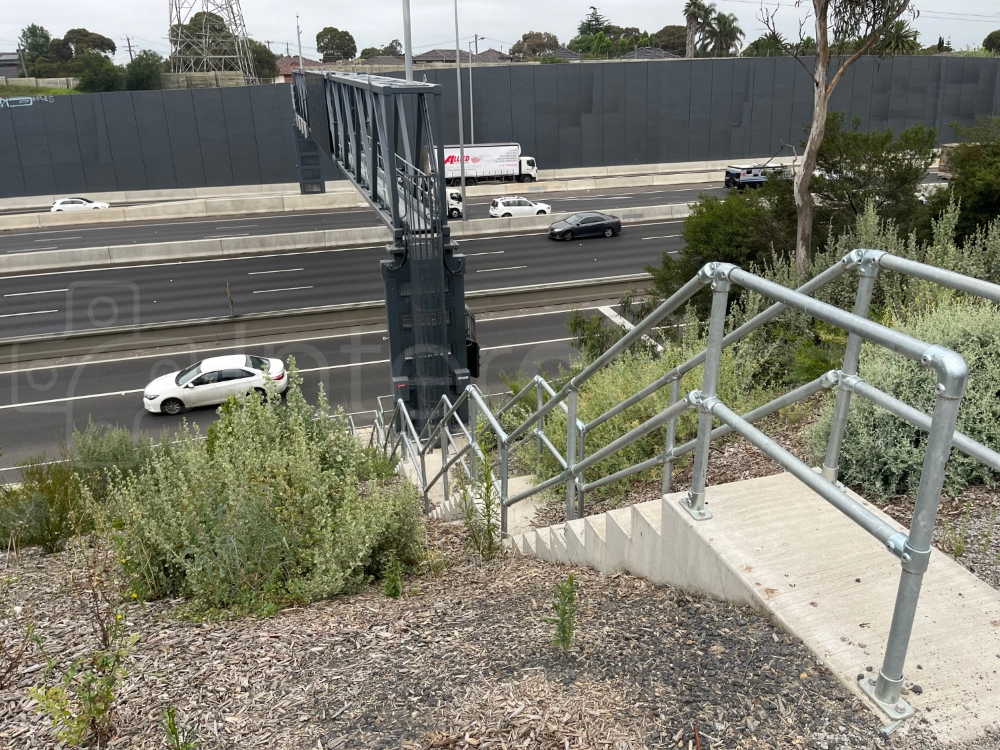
x=586, y=224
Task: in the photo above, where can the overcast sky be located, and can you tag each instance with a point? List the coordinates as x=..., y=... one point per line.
x=376, y=22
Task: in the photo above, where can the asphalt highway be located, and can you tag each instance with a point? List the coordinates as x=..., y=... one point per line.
x=179, y=230
x=54, y=302
x=40, y=406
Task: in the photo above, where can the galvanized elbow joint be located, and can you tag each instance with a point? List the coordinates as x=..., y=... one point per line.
x=701, y=402
x=951, y=369
x=831, y=379
x=717, y=274
x=867, y=261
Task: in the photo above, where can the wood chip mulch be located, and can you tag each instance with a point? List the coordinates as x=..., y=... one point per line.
x=465, y=660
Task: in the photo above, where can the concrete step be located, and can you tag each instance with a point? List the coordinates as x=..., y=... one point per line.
x=775, y=545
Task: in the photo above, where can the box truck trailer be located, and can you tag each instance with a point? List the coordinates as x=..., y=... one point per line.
x=489, y=162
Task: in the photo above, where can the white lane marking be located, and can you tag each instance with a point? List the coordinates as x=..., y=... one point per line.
x=245, y=226
x=34, y=312
x=29, y=249
x=491, y=270
x=44, y=291
x=224, y=236
x=523, y=343
x=280, y=270
x=285, y=289
x=531, y=315
x=618, y=320
x=662, y=237
x=488, y=252
x=161, y=355
x=352, y=364
x=70, y=398
x=57, y=239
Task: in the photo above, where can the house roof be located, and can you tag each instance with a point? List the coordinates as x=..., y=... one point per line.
x=8, y=57
x=565, y=54
x=647, y=53
x=441, y=55
x=288, y=65
x=491, y=56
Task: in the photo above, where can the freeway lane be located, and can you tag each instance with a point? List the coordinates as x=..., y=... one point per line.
x=39, y=407
x=53, y=302
x=179, y=230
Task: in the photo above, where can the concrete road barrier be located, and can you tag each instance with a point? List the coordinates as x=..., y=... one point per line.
x=357, y=237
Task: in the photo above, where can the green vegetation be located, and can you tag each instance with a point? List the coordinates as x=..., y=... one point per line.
x=479, y=503
x=279, y=504
x=565, y=608
x=336, y=45
x=15, y=90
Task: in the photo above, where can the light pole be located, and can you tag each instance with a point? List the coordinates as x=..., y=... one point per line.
x=407, y=43
x=298, y=32
x=461, y=123
x=472, y=100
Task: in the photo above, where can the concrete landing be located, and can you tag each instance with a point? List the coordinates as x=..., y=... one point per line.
x=777, y=546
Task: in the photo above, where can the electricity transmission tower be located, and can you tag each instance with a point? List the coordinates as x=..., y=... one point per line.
x=209, y=35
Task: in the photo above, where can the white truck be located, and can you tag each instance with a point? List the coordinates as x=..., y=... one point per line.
x=489, y=162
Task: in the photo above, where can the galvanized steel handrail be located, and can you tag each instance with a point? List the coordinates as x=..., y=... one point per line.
x=912, y=549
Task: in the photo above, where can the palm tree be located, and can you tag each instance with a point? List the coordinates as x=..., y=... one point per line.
x=695, y=13
x=725, y=35
x=899, y=39
x=772, y=44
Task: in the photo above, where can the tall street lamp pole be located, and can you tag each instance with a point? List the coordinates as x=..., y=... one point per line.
x=407, y=43
x=461, y=119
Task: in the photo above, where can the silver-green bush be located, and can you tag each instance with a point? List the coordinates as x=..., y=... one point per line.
x=268, y=510
x=881, y=453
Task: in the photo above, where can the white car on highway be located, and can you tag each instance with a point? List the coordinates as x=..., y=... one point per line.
x=212, y=381
x=515, y=205
x=77, y=204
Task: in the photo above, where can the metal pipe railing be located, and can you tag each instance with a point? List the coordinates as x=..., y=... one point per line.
x=957, y=281
x=839, y=499
x=917, y=418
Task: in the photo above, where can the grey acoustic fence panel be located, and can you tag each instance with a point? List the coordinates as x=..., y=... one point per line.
x=142, y=140
x=567, y=115
x=604, y=114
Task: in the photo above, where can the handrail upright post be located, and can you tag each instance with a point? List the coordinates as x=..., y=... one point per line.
x=444, y=460
x=540, y=427
x=474, y=440
x=668, y=465
x=504, y=490
x=423, y=478
x=887, y=688
x=571, y=457
x=852, y=354
x=695, y=503
x=581, y=493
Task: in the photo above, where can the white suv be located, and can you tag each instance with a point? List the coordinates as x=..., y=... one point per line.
x=514, y=205
x=77, y=204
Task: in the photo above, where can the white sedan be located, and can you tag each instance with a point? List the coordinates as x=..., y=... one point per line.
x=212, y=381
x=515, y=205
x=77, y=204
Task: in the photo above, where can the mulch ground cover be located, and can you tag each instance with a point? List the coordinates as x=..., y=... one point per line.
x=464, y=660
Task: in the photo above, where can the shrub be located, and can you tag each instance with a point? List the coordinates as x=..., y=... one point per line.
x=144, y=72
x=884, y=455
x=269, y=510
x=565, y=609
x=47, y=508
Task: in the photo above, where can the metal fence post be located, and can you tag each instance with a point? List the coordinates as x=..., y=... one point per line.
x=473, y=442
x=423, y=478
x=866, y=285
x=887, y=688
x=503, y=485
x=668, y=466
x=444, y=460
x=571, y=458
x=581, y=493
x=695, y=504
x=540, y=427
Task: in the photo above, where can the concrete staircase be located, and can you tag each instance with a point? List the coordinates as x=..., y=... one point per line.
x=778, y=547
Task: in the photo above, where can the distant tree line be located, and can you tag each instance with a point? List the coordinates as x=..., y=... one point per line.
x=89, y=56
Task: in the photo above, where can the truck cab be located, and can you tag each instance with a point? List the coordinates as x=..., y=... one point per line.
x=528, y=169
x=455, y=207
